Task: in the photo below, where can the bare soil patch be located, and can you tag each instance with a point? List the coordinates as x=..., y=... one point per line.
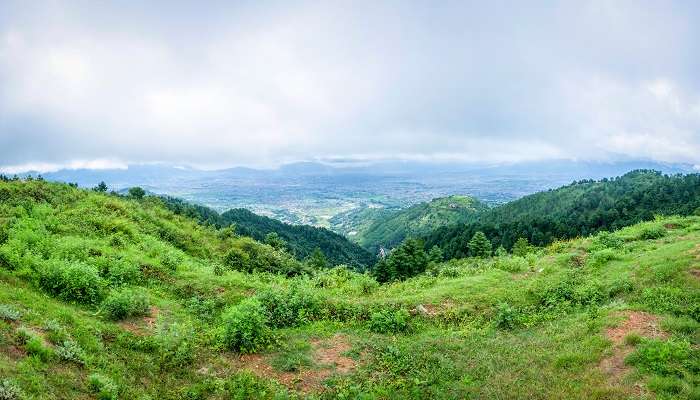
x=635, y=322
x=142, y=326
x=328, y=359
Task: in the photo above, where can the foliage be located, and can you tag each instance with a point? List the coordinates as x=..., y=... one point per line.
x=10, y=391
x=407, y=260
x=9, y=313
x=72, y=281
x=480, y=246
x=137, y=193
x=521, y=247
x=126, y=303
x=245, y=327
x=293, y=307
x=176, y=345
x=317, y=261
x=580, y=209
x=103, y=387
x=70, y=351
x=389, y=321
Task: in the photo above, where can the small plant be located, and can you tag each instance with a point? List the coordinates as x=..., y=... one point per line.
x=665, y=358
x=176, y=345
x=507, y=317
x=126, y=303
x=10, y=391
x=55, y=333
x=388, y=321
x=245, y=327
x=103, y=387
x=218, y=269
x=9, y=313
x=651, y=233
x=35, y=347
x=70, y=351
x=296, y=306
x=633, y=339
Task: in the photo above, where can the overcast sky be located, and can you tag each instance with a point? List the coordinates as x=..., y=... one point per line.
x=211, y=84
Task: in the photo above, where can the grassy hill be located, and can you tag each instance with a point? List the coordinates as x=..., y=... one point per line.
x=106, y=297
x=301, y=240
x=579, y=209
x=389, y=228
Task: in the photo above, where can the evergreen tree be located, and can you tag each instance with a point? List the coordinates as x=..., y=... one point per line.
x=383, y=271
x=137, y=192
x=521, y=247
x=435, y=254
x=101, y=187
x=480, y=246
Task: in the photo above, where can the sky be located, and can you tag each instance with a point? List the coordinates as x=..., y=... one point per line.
x=259, y=83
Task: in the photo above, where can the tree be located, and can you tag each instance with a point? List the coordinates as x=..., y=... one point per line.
x=435, y=254
x=137, y=192
x=521, y=247
x=479, y=246
x=274, y=240
x=317, y=260
x=101, y=187
x=238, y=260
x=383, y=271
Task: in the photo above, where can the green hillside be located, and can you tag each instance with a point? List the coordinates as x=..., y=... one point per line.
x=579, y=209
x=108, y=297
x=390, y=228
x=300, y=240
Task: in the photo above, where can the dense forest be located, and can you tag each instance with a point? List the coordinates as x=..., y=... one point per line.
x=390, y=228
x=300, y=240
x=579, y=209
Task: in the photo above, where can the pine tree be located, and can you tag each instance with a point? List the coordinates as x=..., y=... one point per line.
x=479, y=246
x=435, y=254
x=101, y=187
x=521, y=247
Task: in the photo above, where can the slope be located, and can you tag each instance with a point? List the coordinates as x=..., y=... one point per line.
x=579, y=209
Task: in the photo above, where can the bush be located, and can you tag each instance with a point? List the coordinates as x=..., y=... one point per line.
x=103, y=387
x=388, y=321
x=10, y=391
x=171, y=261
x=121, y=272
x=292, y=307
x=602, y=257
x=507, y=317
x=666, y=358
x=72, y=281
x=511, y=264
x=9, y=313
x=651, y=233
x=238, y=260
x=70, y=351
x=245, y=327
x=55, y=333
x=176, y=345
x=126, y=303
x=606, y=240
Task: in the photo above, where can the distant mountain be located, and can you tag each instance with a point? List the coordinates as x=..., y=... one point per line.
x=388, y=229
x=578, y=209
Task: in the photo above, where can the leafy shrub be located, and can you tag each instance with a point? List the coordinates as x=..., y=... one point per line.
x=664, y=358
x=121, y=272
x=602, y=257
x=245, y=327
x=606, y=240
x=507, y=316
x=651, y=233
x=103, y=387
x=511, y=264
x=171, y=260
x=72, y=281
x=70, y=351
x=218, y=269
x=238, y=260
x=176, y=345
x=10, y=391
x=388, y=321
x=9, y=313
x=664, y=299
x=126, y=303
x=343, y=278
x=203, y=308
x=295, y=306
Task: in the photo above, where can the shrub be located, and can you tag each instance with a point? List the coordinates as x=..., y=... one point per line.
x=651, y=233
x=218, y=269
x=292, y=307
x=70, y=351
x=511, y=264
x=9, y=313
x=126, y=303
x=55, y=333
x=245, y=327
x=121, y=272
x=10, y=391
x=606, y=240
x=171, y=261
x=507, y=317
x=176, y=345
x=238, y=260
x=103, y=387
x=72, y=281
x=388, y=321
x=602, y=257
x=664, y=358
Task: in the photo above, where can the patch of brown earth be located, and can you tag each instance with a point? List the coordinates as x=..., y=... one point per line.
x=141, y=327
x=695, y=272
x=670, y=226
x=636, y=322
x=327, y=356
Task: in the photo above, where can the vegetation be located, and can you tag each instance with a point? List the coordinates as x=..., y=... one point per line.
x=541, y=324
x=388, y=229
x=299, y=240
x=580, y=209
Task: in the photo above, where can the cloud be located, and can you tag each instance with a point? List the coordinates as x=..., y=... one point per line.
x=254, y=84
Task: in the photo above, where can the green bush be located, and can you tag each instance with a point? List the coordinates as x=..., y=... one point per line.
x=103, y=387
x=651, y=233
x=388, y=321
x=72, y=281
x=121, y=272
x=70, y=351
x=55, y=333
x=602, y=257
x=10, y=391
x=245, y=327
x=9, y=313
x=606, y=240
x=295, y=306
x=238, y=260
x=176, y=345
x=125, y=303
x=507, y=316
x=511, y=264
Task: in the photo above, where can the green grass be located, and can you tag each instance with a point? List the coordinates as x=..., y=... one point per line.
x=497, y=328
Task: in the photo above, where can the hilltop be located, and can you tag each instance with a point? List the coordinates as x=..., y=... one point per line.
x=111, y=297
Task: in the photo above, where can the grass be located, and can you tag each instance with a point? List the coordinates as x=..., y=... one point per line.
x=496, y=328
